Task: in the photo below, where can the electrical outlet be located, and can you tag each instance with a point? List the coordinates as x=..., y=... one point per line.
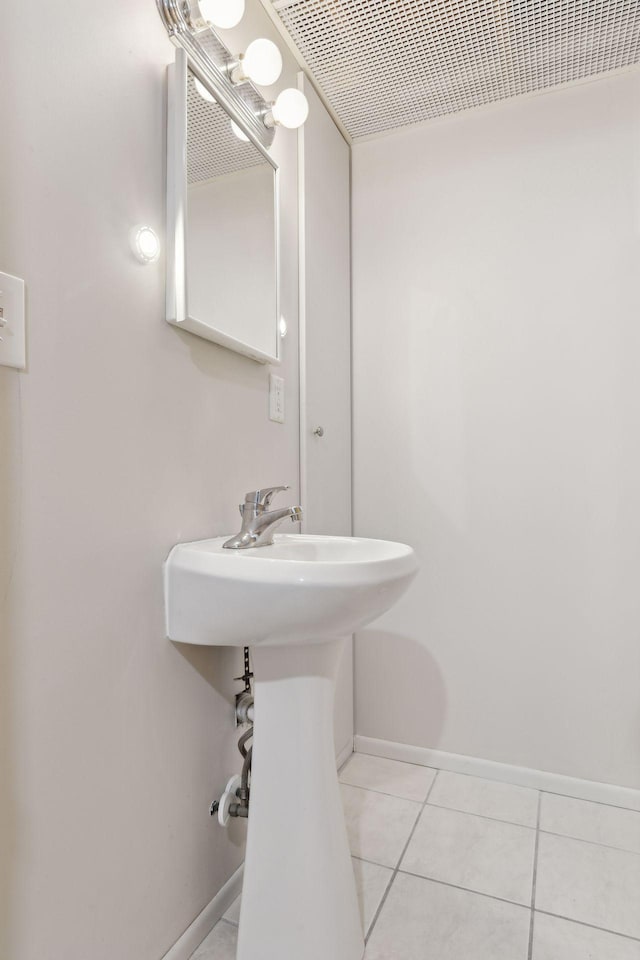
x=12, y=335
x=276, y=398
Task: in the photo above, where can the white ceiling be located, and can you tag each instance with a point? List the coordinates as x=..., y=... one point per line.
x=383, y=64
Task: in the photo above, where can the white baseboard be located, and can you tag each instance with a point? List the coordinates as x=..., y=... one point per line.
x=504, y=772
x=206, y=919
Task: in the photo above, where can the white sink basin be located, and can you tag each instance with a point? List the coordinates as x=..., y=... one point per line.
x=299, y=589
x=293, y=603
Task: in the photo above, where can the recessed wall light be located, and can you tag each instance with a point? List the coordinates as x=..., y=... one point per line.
x=145, y=243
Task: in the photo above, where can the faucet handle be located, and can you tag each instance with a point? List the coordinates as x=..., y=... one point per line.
x=264, y=497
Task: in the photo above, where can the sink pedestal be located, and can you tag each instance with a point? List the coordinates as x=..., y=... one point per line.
x=298, y=897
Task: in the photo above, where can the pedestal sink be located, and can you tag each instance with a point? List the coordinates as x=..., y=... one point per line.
x=293, y=602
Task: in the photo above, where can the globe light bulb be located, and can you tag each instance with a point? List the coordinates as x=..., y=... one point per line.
x=291, y=108
x=262, y=62
x=202, y=90
x=239, y=132
x=145, y=243
x=222, y=13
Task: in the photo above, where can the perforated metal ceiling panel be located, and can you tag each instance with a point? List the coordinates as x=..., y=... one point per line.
x=213, y=150
x=387, y=63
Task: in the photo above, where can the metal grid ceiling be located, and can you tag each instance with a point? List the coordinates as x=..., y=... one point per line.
x=388, y=63
x=213, y=150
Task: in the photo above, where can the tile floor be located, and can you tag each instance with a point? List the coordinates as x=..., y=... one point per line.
x=452, y=867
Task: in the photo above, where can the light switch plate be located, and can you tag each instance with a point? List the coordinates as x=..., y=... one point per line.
x=276, y=398
x=12, y=332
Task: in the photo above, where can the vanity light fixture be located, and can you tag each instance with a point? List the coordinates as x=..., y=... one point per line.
x=145, y=243
x=224, y=14
x=233, y=81
x=261, y=63
x=290, y=109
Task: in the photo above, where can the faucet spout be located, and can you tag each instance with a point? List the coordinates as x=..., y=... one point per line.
x=259, y=524
x=272, y=518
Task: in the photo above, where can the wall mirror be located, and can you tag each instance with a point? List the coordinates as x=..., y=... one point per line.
x=222, y=263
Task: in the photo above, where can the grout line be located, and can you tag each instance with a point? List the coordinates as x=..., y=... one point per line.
x=594, y=843
x=484, y=816
x=380, y=906
x=383, y=793
x=397, y=867
x=599, y=803
x=456, y=886
x=531, y=935
x=374, y=863
x=534, y=878
x=369, y=930
x=591, y=926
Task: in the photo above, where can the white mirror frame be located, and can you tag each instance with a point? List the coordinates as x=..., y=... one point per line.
x=177, y=299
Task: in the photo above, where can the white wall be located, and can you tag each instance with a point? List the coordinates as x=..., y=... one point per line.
x=497, y=416
x=124, y=436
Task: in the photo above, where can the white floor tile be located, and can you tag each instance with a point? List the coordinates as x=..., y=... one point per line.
x=371, y=882
x=233, y=913
x=483, y=855
x=555, y=939
x=584, y=881
x=220, y=944
x=388, y=776
x=421, y=920
x=378, y=825
x=489, y=798
x=591, y=821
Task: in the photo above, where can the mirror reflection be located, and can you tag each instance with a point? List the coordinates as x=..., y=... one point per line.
x=230, y=227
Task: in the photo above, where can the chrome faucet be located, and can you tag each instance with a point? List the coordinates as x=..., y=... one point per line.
x=258, y=522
